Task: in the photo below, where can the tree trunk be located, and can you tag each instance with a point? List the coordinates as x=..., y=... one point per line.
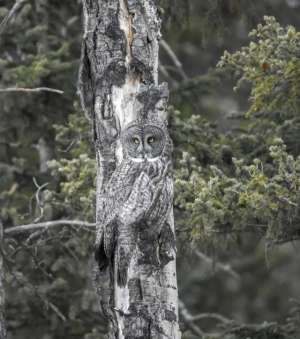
x=135, y=243
x=2, y=293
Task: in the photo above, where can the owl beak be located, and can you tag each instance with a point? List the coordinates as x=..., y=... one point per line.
x=141, y=152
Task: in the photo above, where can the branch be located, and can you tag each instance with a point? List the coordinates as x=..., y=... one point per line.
x=40, y=204
x=34, y=291
x=266, y=330
x=286, y=239
x=219, y=266
x=174, y=58
x=188, y=320
x=47, y=224
x=18, y=4
x=211, y=316
x=31, y=90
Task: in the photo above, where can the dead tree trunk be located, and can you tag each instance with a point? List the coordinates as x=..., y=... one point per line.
x=135, y=243
x=2, y=294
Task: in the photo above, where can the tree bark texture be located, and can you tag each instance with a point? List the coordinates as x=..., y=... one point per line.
x=2, y=292
x=135, y=243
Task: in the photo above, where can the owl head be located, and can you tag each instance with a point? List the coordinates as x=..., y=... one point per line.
x=144, y=140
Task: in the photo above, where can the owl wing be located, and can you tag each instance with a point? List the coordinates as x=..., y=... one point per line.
x=111, y=201
x=158, y=214
x=162, y=201
x=130, y=214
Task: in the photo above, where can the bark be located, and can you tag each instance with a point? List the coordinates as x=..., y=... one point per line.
x=118, y=85
x=2, y=293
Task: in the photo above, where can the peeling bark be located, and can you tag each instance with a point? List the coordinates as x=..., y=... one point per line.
x=135, y=246
x=2, y=293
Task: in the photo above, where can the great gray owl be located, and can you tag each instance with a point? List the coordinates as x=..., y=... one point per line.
x=143, y=142
x=137, y=196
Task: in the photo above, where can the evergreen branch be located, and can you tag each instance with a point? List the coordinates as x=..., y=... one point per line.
x=16, y=7
x=46, y=224
x=230, y=326
x=31, y=90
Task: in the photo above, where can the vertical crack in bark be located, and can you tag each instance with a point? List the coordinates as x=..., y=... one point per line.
x=125, y=19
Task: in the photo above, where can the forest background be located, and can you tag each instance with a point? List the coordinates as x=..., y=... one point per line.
x=234, y=119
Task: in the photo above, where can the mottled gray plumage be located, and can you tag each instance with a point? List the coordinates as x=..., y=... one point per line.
x=145, y=141
x=140, y=189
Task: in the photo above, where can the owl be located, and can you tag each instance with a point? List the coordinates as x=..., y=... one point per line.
x=144, y=142
x=139, y=190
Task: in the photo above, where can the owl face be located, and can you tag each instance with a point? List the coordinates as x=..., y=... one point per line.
x=143, y=142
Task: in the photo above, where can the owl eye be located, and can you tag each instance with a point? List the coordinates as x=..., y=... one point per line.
x=135, y=140
x=150, y=140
